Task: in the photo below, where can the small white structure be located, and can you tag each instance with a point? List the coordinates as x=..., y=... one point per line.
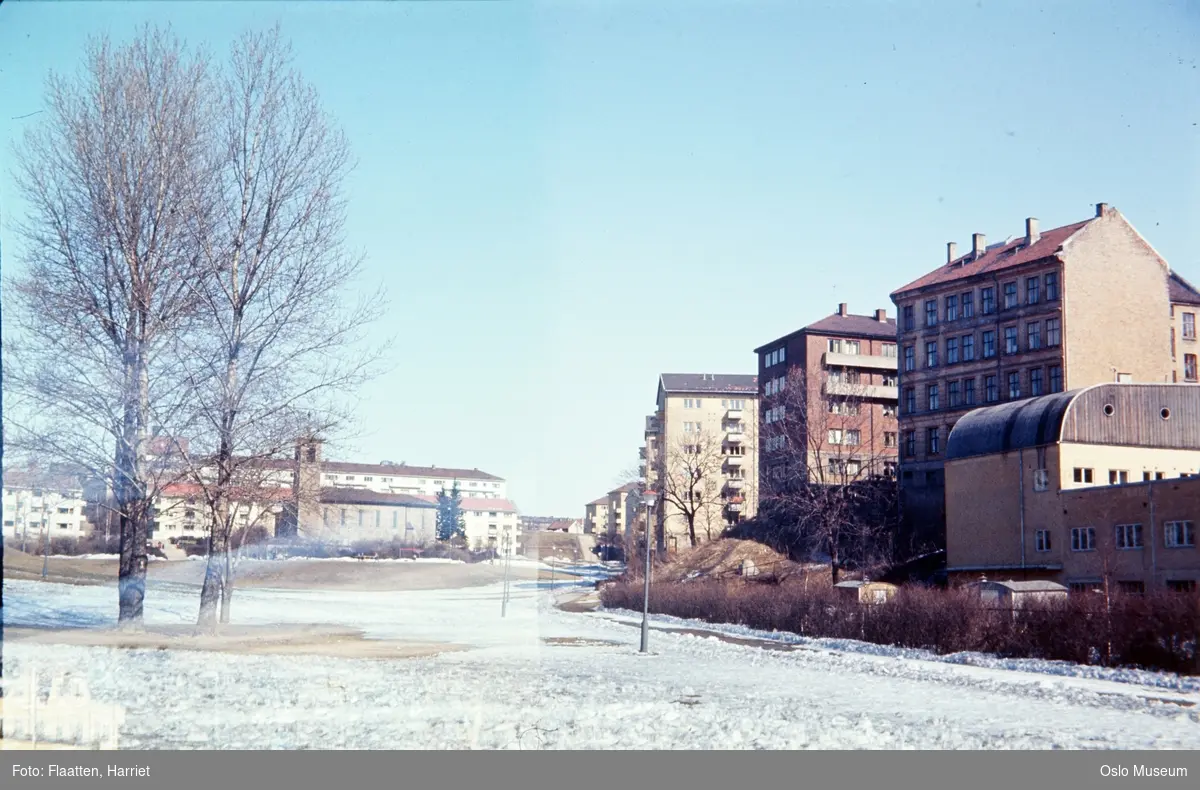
x=67, y=716
x=1015, y=594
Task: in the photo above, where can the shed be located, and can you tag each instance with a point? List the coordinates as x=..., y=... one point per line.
x=1015, y=594
x=866, y=591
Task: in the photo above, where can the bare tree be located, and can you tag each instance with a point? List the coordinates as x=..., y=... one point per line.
x=110, y=256
x=689, y=480
x=281, y=350
x=829, y=469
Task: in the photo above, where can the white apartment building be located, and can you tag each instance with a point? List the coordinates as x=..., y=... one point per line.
x=392, y=478
x=705, y=426
x=180, y=512
x=37, y=502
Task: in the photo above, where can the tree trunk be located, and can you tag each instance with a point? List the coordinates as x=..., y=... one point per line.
x=227, y=586
x=131, y=496
x=212, y=589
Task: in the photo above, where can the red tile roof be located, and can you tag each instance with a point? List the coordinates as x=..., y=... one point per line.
x=1006, y=256
x=1182, y=292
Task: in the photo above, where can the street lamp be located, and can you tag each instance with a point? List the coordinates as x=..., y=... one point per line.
x=648, y=500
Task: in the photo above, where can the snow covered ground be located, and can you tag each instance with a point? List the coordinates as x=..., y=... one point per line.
x=544, y=678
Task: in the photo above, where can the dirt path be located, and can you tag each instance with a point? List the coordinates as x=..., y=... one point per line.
x=310, y=640
x=287, y=575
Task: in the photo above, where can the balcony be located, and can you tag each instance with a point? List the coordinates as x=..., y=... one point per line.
x=846, y=389
x=734, y=460
x=735, y=437
x=642, y=453
x=863, y=361
x=734, y=507
x=734, y=415
x=735, y=484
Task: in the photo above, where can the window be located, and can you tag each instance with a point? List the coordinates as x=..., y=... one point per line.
x=889, y=410
x=1014, y=385
x=378, y=518
x=952, y=391
x=1083, y=587
x=891, y=381
x=395, y=519
x=889, y=350
x=844, y=346
x=1053, y=332
x=968, y=348
x=1033, y=335
x=932, y=439
x=931, y=312
x=991, y=392
x=1041, y=480
x=835, y=436
x=1117, y=476
x=968, y=304
x=951, y=350
x=890, y=439
x=1052, y=286
x=931, y=354
x=1032, y=290
x=969, y=392
x=987, y=300
x=1083, y=475
x=932, y=392
x=951, y=308
x=1010, y=295
x=910, y=358
x=910, y=443
x=1129, y=536
x=989, y=343
x=1131, y=588
x=331, y=477
x=1189, y=367
x=692, y=403
x=342, y=517
x=1181, y=585
x=1010, y=340
x=1189, y=326
x=853, y=436
x=349, y=478
x=1036, y=386
x=1178, y=534
x=1042, y=540
x=1083, y=539
x=910, y=400
x=910, y=321
x=843, y=407
x=371, y=479
x=1056, y=382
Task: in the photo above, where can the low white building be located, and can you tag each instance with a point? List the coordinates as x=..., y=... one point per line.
x=489, y=523
x=40, y=501
x=180, y=511
x=413, y=480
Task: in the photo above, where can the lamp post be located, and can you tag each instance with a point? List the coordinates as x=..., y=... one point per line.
x=649, y=502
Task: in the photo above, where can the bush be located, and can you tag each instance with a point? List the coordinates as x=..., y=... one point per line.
x=1153, y=631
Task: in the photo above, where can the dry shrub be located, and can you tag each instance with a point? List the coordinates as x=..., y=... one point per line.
x=1153, y=631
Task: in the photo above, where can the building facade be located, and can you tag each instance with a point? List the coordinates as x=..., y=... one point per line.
x=1078, y=487
x=828, y=395
x=701, y=456
x=40, y=501
x=1185, y=348
x=622, y=511
x=595, y=516
x=1043, y=313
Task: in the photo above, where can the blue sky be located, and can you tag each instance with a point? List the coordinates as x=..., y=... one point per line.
x=566, y=199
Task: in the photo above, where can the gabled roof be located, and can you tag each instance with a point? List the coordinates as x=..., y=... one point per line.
x=865, y=326
x=1025, y=586
x=601, y=501
x=714, y=383
x=359, y=496
x=1181, y=291
x=625, y=489
x=997, y=258
x=403, y=470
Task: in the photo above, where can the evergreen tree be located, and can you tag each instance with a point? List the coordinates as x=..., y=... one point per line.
x=451, y=523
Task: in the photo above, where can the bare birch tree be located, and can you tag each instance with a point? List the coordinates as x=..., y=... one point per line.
x=109, y=256
x=689, y=480
x=282, y=349
x=831, y=477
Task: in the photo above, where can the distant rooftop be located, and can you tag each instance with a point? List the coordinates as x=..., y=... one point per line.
x=1181, y=291
x=843, y=323
x=712, y=383
x=403, y=470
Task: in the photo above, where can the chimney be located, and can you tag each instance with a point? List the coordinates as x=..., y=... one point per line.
x=978, y=244
x=951, y=251
x=842, y=309
x=881, y=316
x=1032, y=233
x=1101, y=209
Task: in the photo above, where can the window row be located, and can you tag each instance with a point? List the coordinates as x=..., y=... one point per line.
x=961, y=306
x=1125, y=537
x=1038, y=335
x=775, y=386
x=775, y=357
x=839, y=346
x=962, y=392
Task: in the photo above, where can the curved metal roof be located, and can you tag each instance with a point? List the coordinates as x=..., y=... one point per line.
x=1009, y=426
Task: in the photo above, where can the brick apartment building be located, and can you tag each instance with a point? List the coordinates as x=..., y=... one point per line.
x=1185, y=348
x=840, y=372
x=1076, y=486
x=1049, y=311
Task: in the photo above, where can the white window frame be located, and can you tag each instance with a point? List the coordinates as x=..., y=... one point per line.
x=1042, y=541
